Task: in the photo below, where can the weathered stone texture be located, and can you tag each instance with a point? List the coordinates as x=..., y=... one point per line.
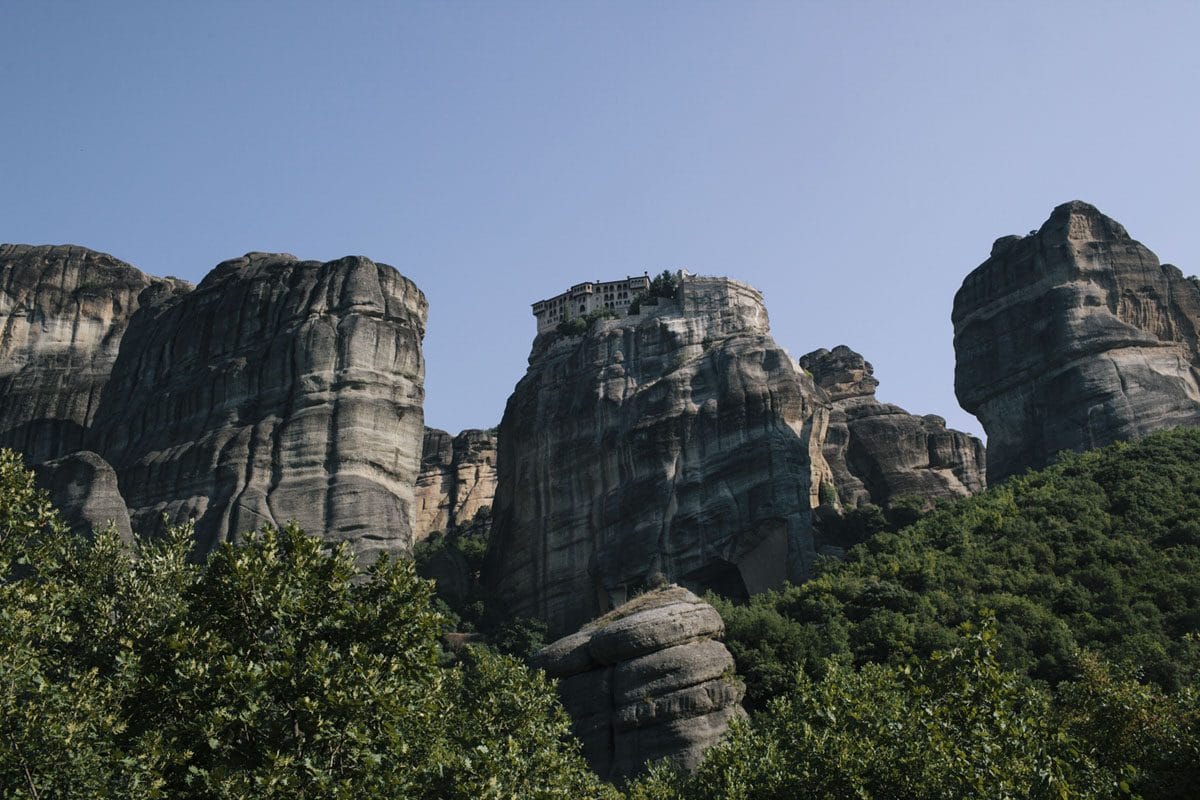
x=63, y=310
x=647, y=681
x=1074, y=337
x=680, y=441
x=457, y=479
x=83, y=487
x=878, y=451
x=278, y=389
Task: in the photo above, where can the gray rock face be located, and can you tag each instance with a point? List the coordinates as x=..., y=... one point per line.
x=647, y=681
x=680, y=441
x=1074, y=337
x=457, y=479
x=63, y=310
x=83, y=487
x=878, y=451
x=278, y=389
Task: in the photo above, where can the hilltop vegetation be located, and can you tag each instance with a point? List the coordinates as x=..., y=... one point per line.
x=1100, y=551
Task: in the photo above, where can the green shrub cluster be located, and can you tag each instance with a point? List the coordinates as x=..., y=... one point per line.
x=577, y=326
x=478, y=611
x=1100, y=551
x=955, y=725
x=664, y=284
x=275, y=670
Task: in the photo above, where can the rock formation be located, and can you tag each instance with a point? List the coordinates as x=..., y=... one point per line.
x=1073, y=337
x=83, y=487
x=680, y=441
x=278, y=389
x=649, y=680
x=457, y=480
x=63, y=310
x=878, y=451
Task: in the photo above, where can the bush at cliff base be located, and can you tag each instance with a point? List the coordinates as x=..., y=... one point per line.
x=274, y=670
x=957, y=725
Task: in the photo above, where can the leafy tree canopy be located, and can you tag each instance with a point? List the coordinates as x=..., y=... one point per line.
x=955, y=725
x=276, y=669
x=1100, y=551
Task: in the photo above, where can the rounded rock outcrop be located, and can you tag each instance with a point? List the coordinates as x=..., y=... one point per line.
x=63, y=311
x=1074, y=337
x=276, y=390
x=647, y=681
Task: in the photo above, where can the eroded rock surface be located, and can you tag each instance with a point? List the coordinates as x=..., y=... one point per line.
x=680, y=441
x=1073, y=337
x=277, y=389
x=647, y=681
x=878, y=451
x=83, y=487
x=457, y=479
x=63, y=310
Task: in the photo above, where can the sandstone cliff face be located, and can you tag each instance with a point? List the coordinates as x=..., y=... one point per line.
x=457, y=479
x=1074, y=337
x=648, y=681
x=878, y=451
x=63, y=310
x=680, y=441
x=278, y=389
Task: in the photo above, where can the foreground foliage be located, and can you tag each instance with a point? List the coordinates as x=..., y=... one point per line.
x=955, y=726
x=470, y=607
x=274, y=670
x=1100, y=551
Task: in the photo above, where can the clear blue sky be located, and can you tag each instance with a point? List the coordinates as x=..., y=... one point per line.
x=852, y=160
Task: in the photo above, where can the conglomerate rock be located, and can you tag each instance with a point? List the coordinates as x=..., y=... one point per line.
x=647, y=681
x=457, y=479
x=63, y=310
x=83, y=487
x=681, y=441
x=878, y=451
x=1074, y=337
x=276, y=390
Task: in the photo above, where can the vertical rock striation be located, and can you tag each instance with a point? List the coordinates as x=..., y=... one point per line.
x=878, y=451
x=1073, y=337
x=648, y=681
x=63, y=310
x=457, y=479
x=680, y=441
x=278, y=389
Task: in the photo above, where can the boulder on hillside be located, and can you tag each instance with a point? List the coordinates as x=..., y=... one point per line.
x=83, y=487
x=649, y=680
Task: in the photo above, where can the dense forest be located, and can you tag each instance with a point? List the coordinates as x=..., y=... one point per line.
x=1037, y=640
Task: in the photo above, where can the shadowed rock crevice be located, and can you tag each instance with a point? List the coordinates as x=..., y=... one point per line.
x=457, y=480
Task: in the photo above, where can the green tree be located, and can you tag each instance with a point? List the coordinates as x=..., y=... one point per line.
x=1100, y=551
x=276, y=669
x=955, y=726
